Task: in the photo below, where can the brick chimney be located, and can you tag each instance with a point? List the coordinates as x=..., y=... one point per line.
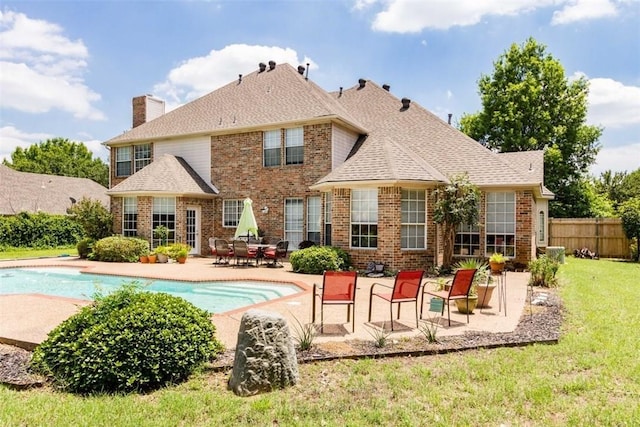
x=146, y=108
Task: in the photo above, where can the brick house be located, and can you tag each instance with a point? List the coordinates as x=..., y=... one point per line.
x=354, y=169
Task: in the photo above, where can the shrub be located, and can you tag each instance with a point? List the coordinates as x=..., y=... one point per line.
x=344, y=256
x=85, y=247
x=177, y=250
x=94, y=218
x=39, y=230
x=119, y=249
x=543, y=271
x=315, y=260
x=127, y=341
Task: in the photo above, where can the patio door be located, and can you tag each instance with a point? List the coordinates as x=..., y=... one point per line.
x=192, y=237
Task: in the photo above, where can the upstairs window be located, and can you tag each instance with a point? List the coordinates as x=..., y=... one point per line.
x=123, y=161
x=294, y=146
x=142, y=156
x=271, y=148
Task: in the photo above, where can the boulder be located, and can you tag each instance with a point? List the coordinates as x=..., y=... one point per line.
x=265, y=357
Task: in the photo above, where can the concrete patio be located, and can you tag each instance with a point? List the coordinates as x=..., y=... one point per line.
x=26, y=319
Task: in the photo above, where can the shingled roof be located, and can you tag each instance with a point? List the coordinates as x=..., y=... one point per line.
x=257, y=100
x=36, y=192
x=412, y=144
x=167, y=175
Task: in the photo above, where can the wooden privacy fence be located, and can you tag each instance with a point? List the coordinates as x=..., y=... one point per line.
x=602, y=235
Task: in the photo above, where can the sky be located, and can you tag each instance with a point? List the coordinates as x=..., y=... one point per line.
x=69, y=69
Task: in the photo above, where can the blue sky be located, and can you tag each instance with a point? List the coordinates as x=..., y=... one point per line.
x=69, y=69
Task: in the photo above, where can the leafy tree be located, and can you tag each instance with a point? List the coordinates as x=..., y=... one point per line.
x=619, y=186
x=93, y=217
x=529, y=104
x=62, y=157
x=630, y=186
x=456, y=203
x=630, y=214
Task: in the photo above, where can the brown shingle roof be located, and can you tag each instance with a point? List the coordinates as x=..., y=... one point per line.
x=167, y=175
x=413, y=144
x=261, y=99
x=530, y=163
x=35, y=192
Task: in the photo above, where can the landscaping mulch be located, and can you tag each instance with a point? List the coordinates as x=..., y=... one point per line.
x=540, y=323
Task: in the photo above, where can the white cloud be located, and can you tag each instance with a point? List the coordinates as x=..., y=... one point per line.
x=580, y=10
x=13, y=138
x=617, y=159
x=410, y=16
x=41, y=69
x=198, y=76
x=613, y=104
x=363, y=4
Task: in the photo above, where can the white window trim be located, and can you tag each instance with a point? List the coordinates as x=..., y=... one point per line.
x=422, y=223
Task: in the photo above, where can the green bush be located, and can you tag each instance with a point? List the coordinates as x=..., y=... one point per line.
x=344, y=256
x=543, y=271
x=316, y=260
x=94, y=218
x=85, y=247
x=119, y=249
x=39, y=230
x=127, y=341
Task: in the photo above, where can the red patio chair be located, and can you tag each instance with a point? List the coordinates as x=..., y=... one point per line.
x=405, y=289
x=338, y=288
x=460, y=288
x=276, y=253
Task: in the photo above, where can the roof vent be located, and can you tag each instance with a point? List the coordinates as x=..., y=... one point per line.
x=262, y=66
x=405, y=103
x=301, y=70
x=449, y=118
x=361, y=83
x=386, y=87
x=272, y=65
x=340, y=94
x=239, y=78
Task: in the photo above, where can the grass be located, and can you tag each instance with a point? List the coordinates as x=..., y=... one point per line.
x=19, y=253
x=592, y=377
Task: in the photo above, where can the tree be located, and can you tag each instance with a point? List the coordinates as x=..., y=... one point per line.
x=456, y=203
x=93, y=217
x=528, y=104
x=630, y=214
x=62, y=157
x=618, y=187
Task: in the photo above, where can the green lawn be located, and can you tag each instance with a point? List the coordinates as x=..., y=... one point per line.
x=20, y=253
x=592, y=377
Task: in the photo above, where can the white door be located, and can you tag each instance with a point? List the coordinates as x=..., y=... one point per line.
x=193, y=229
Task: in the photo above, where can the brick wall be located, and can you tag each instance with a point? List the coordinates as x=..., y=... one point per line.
x=525, y=227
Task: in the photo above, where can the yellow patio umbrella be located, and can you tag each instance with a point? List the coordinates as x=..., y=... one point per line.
x=247, y=224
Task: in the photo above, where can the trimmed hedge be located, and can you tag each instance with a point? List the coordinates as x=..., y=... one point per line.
x=119, y=249
x=39, y=230
x=128, y=341
x=316, y=260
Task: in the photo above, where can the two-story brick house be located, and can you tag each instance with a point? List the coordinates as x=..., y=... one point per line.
x=354, y=169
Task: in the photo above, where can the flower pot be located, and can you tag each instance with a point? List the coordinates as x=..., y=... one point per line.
x=462, y=304
x=152, y=259
x=485, y=292
x=182, y=259
x=163, y=258
x=496, y=267
x=144, y=259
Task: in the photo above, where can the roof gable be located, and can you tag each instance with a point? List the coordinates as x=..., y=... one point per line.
x=258, y=100
x=167, y=175
x=413, y=144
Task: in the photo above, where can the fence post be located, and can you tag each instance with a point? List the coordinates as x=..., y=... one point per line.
x=597, y=235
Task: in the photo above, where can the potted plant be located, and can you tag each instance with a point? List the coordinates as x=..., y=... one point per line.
x=497, y=262
x=178, y=252
x=152, y=258
x=162, y=252
x=478, y=280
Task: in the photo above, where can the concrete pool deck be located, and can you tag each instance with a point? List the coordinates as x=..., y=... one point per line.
x=26, y=319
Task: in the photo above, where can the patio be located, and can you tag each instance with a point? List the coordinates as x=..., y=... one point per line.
x=26, y=319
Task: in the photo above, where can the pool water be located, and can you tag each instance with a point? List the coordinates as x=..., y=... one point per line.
x=216, y=297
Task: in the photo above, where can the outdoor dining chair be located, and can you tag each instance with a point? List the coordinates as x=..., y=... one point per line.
x=405, y=289
x=459, y=289
x=338, y=288
x=242, y=252
x=276, y=253
x=222, y=250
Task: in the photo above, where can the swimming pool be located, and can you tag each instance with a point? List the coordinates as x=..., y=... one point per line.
x=216, y=297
